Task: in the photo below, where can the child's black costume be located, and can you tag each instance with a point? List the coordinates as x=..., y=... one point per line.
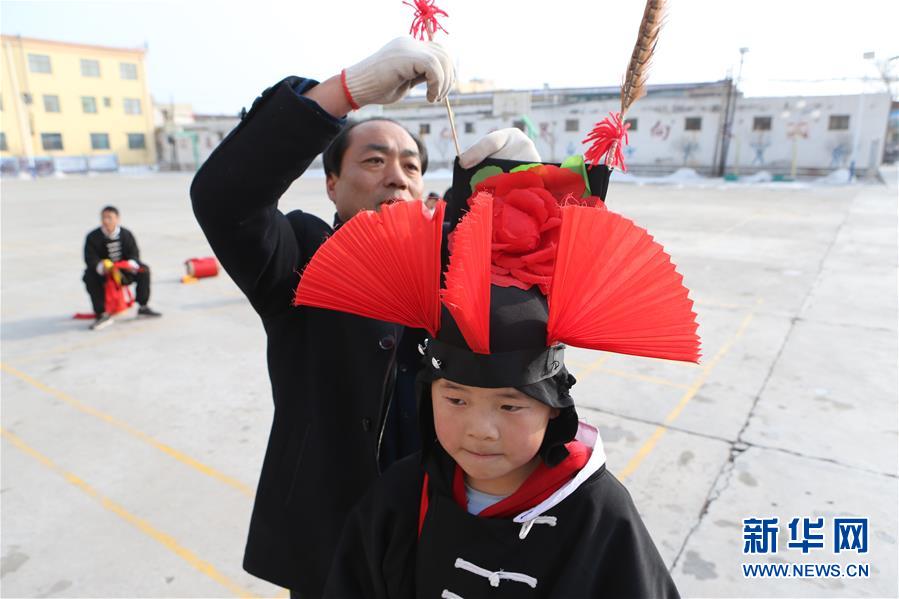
x=537, y=262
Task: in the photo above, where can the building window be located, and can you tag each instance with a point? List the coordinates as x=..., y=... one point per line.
x=39, y=63
x=90, y=68
x=51, y=141
x=424, y=128
x=136, y=141
x=761, y=123
x=693, y=123
x=838, y=122
x=51, y=103
x=132, y=106
x=128, y=70
x=632, y=123
x=3, y=146
x=469, y=127
x=89, y=104
x=107, y=101
x=572, y=125
x=99, y=141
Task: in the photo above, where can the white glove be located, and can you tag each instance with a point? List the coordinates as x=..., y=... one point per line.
x=388, y=74
x=510, y=144
x=134, y=265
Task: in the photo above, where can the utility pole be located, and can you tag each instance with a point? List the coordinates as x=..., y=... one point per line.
x=730, y=113
x=858, y=126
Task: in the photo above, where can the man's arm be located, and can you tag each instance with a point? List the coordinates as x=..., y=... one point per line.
x=91, y=256
x=235, y=193
x=129, y=246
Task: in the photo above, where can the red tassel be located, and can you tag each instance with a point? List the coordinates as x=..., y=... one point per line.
x=424, y=21
x=608, y=139
x=467, y=293
x=615, y=289
x=383, y=265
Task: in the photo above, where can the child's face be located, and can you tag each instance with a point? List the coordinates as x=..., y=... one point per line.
x=493, y=434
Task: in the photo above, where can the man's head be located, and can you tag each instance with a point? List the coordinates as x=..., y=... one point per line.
x=109, y=218
x=373, y=162
x=494, y=434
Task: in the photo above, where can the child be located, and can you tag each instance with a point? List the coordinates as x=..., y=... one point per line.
x=510, y=495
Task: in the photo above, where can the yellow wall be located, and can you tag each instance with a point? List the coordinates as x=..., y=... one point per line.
x=67, y=82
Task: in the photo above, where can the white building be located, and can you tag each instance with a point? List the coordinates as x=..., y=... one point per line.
x=184, y=140
x=673, y=126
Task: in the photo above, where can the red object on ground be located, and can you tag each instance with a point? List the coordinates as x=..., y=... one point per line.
x=118, y=297
x=201, y=268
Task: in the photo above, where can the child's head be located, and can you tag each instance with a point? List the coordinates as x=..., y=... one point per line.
x=498, y=414
x=494, y=434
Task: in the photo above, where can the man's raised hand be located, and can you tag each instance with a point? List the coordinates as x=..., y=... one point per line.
x=387, y=75
x=510, y=144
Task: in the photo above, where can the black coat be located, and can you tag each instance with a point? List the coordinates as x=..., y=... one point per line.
x=96, y=249
x=596, y=545
x=331, y=373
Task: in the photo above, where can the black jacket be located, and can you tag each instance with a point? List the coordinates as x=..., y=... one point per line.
x=331, y=373
x=97, y=247
x=591, y=543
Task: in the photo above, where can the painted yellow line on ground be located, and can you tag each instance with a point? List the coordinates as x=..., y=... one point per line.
x=660, y=430
x=108, y=336
x=702, y=304
x=145, y=527
x=644, y=377
x=167, y=449
x=585, y=369
x=597, y=365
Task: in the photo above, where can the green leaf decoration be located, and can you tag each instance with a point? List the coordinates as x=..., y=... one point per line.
x=524, y=167
x=484, y=173
x=576, y=163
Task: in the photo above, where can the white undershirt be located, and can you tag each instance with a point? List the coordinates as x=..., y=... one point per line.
x=478, y=501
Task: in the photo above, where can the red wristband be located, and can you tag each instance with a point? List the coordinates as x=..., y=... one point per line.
x=346, y=91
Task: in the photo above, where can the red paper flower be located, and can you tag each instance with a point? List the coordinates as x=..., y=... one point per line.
x=526, y=219
x=424, y=21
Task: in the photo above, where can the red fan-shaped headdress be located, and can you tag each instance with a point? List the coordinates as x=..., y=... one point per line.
x=610, y=286
x=383, y=265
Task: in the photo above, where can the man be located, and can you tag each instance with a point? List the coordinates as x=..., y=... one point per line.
x=104, y=246
x=342, y=384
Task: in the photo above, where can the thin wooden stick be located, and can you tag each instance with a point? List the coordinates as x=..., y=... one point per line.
x=446, y=102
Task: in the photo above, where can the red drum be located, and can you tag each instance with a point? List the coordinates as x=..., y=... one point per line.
x=200, y=268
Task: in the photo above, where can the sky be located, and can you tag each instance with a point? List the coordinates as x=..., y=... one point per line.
x=219, y=55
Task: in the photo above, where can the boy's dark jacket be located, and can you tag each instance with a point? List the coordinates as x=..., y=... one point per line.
x=330, y=372
x=592, y=543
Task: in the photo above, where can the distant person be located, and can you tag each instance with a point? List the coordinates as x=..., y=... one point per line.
x=342, y=385
x=104, y=246
x=431, y=200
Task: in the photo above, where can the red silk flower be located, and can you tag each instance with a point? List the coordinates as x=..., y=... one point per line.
x=526, y=220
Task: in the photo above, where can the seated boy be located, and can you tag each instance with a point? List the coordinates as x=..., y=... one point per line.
x=510, y=495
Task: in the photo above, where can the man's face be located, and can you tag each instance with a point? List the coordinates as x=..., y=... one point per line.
x=109, y=220
x=381, y=165
x=493, y=434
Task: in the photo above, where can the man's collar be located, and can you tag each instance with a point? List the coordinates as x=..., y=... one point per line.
x=115, y=233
